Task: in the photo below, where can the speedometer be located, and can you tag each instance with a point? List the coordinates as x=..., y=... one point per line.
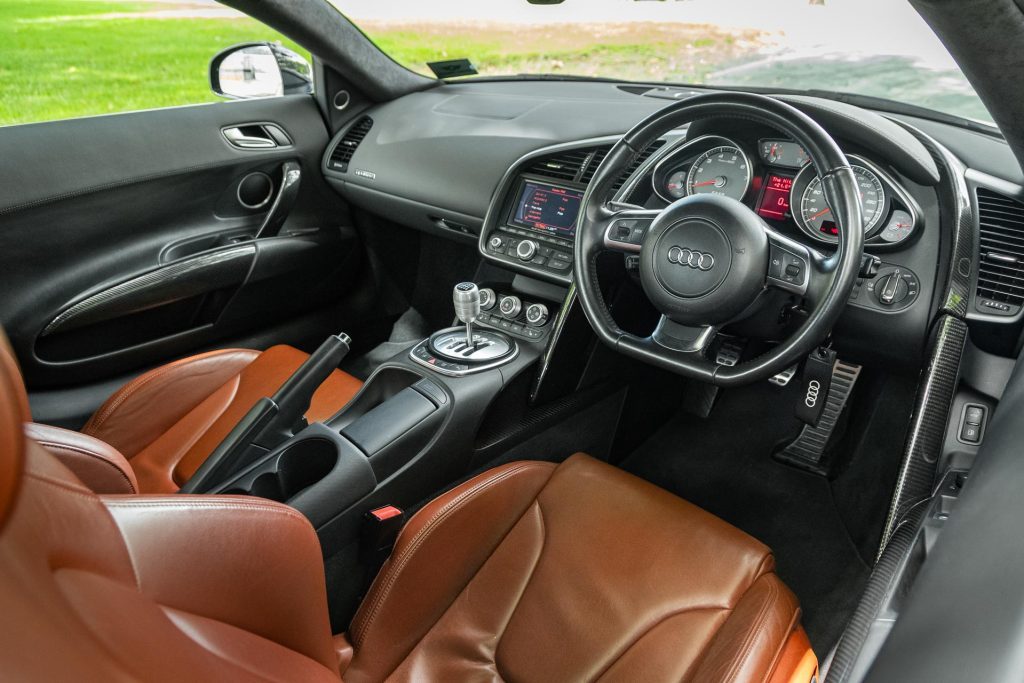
x=722, y=170
x=814, y=215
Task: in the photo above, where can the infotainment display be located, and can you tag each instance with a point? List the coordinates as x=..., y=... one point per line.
x=547, y=208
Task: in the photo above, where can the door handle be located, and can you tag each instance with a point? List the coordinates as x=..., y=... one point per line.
x=287, y=193
x=245, y=138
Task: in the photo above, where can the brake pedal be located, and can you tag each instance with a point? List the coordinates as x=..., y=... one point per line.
x=782, y=379
x=808, y=449
x=729, y=352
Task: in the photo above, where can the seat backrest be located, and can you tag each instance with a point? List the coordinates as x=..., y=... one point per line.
x=74, y=604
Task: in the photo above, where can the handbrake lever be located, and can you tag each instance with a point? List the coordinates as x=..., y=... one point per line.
x=272, y=420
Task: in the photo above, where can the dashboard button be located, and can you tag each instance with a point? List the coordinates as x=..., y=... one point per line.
x=556, y=264
x=970, y=433
x=496, y=244
x=974, y=415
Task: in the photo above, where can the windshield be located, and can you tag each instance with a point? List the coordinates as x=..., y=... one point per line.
x=880, y=48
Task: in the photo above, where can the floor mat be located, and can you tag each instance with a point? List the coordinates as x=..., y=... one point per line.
x=723, y=465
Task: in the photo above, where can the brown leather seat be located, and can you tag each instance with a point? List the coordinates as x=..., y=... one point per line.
x=531, y=571
x=166, y=422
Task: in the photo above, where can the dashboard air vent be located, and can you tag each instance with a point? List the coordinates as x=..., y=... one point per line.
x=1001, y=271
x=346, y=147
x=562, y=166
x=640, y=159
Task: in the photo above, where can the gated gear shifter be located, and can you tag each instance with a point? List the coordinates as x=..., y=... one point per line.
x=466, y=298
x=463, y=350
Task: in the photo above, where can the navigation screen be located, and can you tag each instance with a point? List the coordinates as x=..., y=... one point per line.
x=547, y=208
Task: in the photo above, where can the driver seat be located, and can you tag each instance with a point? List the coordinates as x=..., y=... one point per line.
x=531, y=571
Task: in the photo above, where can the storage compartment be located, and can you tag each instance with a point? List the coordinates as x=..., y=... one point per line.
x=301, y=465
x=318, y=472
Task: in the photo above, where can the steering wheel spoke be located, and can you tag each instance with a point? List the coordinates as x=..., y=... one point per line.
x=795, y=268
x=625, y=228
x=685, y=339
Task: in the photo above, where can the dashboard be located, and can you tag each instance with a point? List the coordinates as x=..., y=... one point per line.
x=505, y=165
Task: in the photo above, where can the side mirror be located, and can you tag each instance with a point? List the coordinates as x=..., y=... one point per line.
x=253, y=70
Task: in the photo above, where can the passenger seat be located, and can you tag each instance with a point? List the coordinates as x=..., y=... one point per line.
x=153, y=433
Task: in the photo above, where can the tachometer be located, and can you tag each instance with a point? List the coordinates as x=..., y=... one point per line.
x=722, y=170
x=814, y=215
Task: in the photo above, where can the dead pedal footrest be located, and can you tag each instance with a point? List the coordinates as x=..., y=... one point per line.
x=807, y=450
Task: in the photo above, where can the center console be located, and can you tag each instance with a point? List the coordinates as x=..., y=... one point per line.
x=532, y=226
x=411, y=429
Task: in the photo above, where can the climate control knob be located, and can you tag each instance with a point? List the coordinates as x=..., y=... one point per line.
x=487, y=298
x=510, y=306
x=527, y=249
x=536, y=314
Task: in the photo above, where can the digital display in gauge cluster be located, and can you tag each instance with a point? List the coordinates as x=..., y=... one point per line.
x=775, y=197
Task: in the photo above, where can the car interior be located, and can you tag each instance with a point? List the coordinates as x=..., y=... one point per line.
x=392, y=377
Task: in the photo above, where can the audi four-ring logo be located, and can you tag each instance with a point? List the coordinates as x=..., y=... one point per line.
x=812, y=393
x=691, y=258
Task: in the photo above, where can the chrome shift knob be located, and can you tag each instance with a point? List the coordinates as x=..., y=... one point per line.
x=466, y=298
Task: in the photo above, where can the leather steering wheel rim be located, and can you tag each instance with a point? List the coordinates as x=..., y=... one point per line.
x=829, y=279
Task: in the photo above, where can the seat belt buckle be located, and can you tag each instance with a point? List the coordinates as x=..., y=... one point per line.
x=378, y=535
x=816, y=380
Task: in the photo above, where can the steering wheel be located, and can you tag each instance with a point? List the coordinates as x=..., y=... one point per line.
x=706, y=260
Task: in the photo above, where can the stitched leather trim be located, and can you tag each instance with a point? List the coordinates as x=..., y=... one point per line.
x=125, y=392
x=242, y=504
x=395, y=569
x=51, y=445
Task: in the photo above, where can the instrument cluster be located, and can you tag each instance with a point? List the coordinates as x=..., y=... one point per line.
x=775, y=178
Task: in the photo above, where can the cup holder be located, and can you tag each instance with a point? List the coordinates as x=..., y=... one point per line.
x=305, y=463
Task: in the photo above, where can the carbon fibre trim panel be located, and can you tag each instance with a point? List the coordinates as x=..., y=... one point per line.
x=173, y=282
x=886, y=573
x=928, y=422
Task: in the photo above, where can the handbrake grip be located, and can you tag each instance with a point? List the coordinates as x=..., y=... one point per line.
x=271, y=421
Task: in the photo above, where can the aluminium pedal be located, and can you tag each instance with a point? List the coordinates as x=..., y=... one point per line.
x=729, y=352
x=782, y=378
x=808, y=449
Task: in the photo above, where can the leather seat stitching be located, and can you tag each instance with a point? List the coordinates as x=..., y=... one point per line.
x=136, y=384
x=91, y=454
x=420, y=537
x=209, y=505
x=529, y=580
x=748, y=642
x=662, y=619
x=70, y=488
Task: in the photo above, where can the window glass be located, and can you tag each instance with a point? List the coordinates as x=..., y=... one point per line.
x=66, y=58
x=880, y=48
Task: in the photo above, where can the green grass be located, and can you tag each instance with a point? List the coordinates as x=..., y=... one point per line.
x=64, y=58
x=58, y=59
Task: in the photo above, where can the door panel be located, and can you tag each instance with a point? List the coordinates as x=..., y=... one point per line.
x=126, y=240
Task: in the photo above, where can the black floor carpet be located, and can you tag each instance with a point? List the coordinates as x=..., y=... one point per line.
x=723, y=464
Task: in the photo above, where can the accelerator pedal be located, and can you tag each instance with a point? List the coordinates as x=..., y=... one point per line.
x=808, y=449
